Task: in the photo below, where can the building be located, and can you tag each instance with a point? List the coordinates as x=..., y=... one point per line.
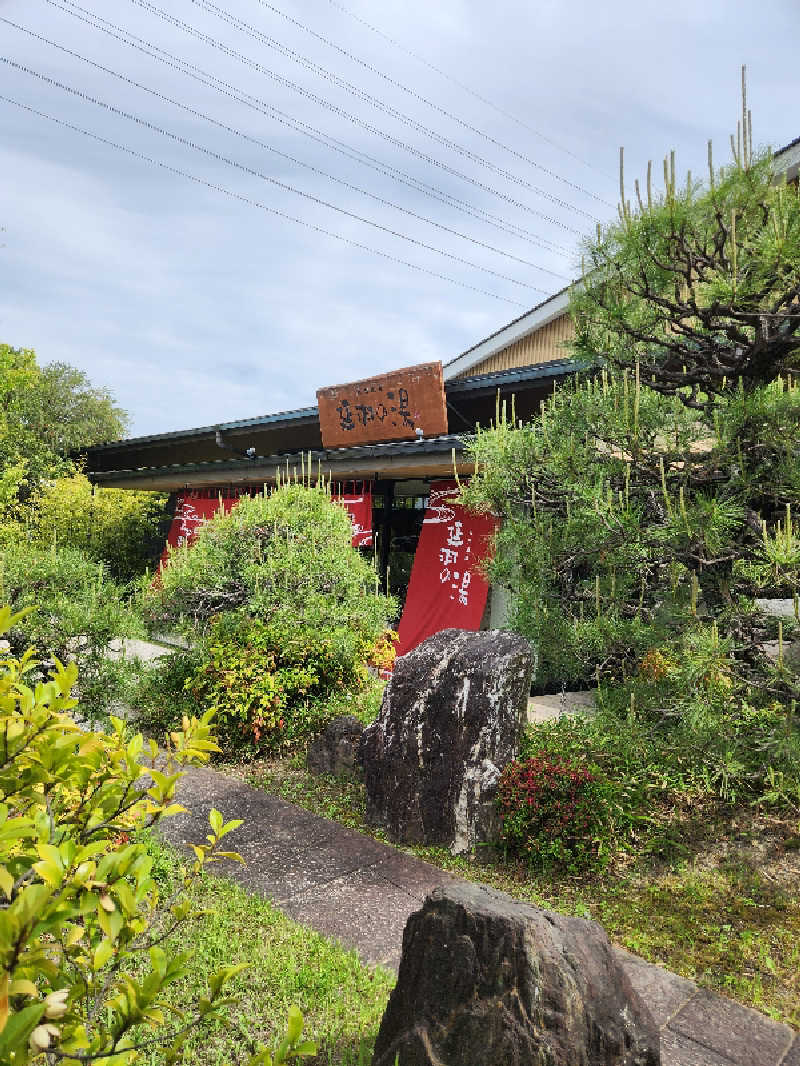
x=524, y=359
x=235, y=457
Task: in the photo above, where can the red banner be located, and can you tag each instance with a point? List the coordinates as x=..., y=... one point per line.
x=359, y=507
x=194, y=509
x=447, y=589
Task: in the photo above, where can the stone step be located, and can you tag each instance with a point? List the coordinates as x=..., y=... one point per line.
x=545, y=708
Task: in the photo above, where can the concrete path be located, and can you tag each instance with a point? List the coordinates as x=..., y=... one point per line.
x=352, y=888
x=147, y=651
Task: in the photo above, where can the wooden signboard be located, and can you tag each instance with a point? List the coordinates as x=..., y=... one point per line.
x=401, y=405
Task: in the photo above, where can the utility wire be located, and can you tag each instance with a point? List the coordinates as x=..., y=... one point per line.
x=254, y=203
x=468, y=89
x=357, y=155
x=417, y=96
x=342, y=113
x=360, y=94
x=284, y=155
x=220, y=158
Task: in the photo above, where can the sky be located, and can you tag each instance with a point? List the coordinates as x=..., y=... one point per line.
x=280, y=195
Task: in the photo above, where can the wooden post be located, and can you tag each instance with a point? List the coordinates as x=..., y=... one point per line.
x=385, y=489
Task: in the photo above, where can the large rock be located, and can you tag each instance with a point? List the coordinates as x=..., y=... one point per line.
x=451, y=719
x=487, y=981
x=335, y=750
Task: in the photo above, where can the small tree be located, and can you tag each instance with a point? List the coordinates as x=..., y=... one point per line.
x=285, y=613
x=118, y=527
x=78, y=610
x=698, y=287
x=47, y=414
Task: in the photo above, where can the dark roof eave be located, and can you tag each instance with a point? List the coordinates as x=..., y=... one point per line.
x=426, y=446
x=297, y=417
x=517, y=376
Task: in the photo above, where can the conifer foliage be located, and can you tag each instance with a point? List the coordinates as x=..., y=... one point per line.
x=700, y=284
x=657, y=496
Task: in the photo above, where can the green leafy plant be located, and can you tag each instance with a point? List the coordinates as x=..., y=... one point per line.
x=79, y=610
x=554, y=812
x=82, y=928
x=284, y=612
x=78, y=901
x=270, y=686
x=122, y=529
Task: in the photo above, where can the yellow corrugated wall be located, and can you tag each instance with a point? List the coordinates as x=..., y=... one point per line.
x=542, y=346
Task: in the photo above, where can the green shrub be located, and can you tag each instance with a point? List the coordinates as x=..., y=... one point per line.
x=285, y=557
x=124, y=530
x=284, y=614
x=85, y=965
x=161, y=694
x=555, y=812
x=269, y=686
x=79, y=901
x=687, y=729
x=78, y=610
x=628, y=516
x=722, y=726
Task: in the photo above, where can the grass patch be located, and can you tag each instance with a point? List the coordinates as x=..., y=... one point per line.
x=342, y=1000
x=728, y=916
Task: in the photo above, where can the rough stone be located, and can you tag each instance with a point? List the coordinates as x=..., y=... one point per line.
x=335, y=750
x=486, y=980
x=451, y=719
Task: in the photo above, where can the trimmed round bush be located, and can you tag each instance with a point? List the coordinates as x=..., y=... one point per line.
x=285, y=614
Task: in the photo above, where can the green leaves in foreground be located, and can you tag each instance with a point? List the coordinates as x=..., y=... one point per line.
x=85, y=965
x=290, y=1047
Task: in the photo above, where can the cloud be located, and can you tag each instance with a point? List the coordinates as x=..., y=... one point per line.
x=197, y=307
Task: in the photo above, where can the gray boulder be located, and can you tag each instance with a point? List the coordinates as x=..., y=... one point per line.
x=335, y=750
x=487, y=981
x=451, y=719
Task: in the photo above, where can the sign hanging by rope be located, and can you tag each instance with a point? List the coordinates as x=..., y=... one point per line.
x=403, y=405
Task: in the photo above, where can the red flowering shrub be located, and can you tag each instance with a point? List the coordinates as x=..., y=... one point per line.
x=554, y=812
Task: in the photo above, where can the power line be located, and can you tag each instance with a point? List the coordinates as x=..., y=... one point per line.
x=354, y=90
x=342, y=113
x=219, y=157
x=468, y=89
x=284, y=155
x=206, y=5
x=255, y=203
x=189, y=70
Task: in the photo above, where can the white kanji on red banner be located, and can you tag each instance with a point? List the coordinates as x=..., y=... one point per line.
x=447, y=588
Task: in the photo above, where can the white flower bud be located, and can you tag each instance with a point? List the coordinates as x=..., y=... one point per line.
x=39, y=1039
x=56, y=1004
